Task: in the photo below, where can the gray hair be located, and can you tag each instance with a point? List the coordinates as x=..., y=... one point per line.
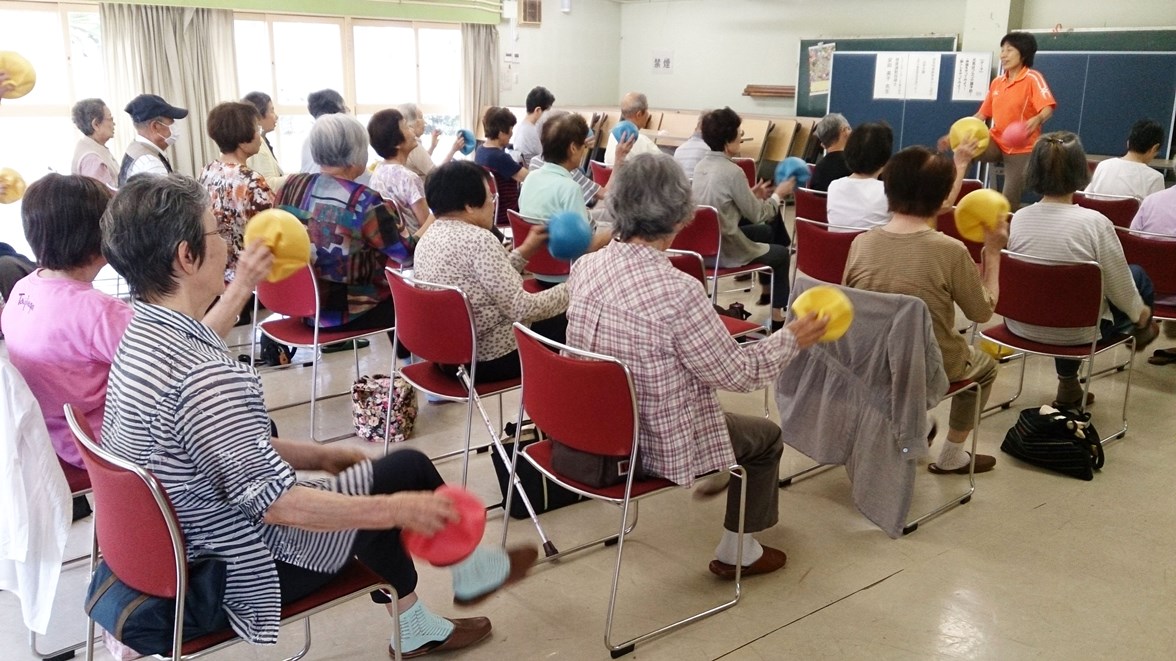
x=410, y=111
x=338, y=141
x=829, y=128
x=649, y=197
x=86, y=112
x=633, y=103
x=144, y=225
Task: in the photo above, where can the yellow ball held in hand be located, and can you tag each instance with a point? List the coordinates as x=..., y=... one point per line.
x=968, y=127
x=829, y=303
x=12, y=186
x=21, y=76
x=980, y=210
x=285, y=236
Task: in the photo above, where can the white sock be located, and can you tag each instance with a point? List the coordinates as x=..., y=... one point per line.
x=728, y=548
x=952, y=456
x=419, y=626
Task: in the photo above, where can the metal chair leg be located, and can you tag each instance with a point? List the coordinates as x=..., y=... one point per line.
x=965, y=497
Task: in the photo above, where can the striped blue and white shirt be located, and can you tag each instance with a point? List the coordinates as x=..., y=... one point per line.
x=178, y=405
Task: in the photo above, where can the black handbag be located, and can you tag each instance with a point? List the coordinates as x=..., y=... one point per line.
x=543, y=494
x=145, y=623
x=592, y=469
x=1056, y=440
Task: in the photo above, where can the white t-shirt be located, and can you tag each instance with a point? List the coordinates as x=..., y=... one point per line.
x=857, y=203
x=1119, y=176
x=525, y=140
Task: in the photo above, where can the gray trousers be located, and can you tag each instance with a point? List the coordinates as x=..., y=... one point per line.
x=1014, y=172
x=758, y=445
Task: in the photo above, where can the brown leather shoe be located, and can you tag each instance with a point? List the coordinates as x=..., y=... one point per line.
x=466, y=632
x=984, y=463
x=770, y=561
x=521, y=560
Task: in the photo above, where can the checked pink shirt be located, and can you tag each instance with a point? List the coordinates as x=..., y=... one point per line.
x=629, y=302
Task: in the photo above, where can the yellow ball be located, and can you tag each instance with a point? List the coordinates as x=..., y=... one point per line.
x=285, y=236
x=21, y=76
x=966, y=128
x=980, y=210
x=13, y=185
x=829, y=303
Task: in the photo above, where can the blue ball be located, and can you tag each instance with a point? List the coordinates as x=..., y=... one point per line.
x=568, y=235
x=624, y=130
x=471, y=143
x=792, y=166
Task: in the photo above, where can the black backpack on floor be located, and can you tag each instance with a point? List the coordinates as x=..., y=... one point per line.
x=1059, y=441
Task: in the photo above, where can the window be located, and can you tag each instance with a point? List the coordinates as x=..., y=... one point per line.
x=374, y=64
x=37, y=132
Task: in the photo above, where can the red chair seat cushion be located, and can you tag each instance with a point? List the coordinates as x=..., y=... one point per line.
x=540, y=453
x=532, y=286
x=430, y=377
x=1003, y=335
x=77, y=478
x=736, y=270
x=738, y=327
x=1161, y=311
x=294, y=331
x=957, y=386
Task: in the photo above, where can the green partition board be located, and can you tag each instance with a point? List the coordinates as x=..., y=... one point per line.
x=808, y=105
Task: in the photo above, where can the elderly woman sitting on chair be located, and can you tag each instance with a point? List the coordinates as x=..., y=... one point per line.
x=179, y=406
x=628, y=301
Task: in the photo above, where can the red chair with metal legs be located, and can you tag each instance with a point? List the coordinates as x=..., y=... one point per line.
x=588, y=402
x=967, y=186
x=1119, y=209
x=436, y=323
x=601, y=173
x=297, y=298
x=812, y=204
x=946, y=224
x=703, y=236
x=541, y=263
x=1063, y=295
x=137, y=534
x=1156, y=253
x=820, y=252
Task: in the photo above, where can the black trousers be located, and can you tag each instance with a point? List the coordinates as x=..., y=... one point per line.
x=379, y=550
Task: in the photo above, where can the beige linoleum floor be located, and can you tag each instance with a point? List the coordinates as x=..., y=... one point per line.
x=1036, y=566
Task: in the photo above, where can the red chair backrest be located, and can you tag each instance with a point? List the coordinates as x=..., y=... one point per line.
x=133, y=530
x=433, y=321
x=1157, y=256
x=748, y=165
x=1119, y=210
x=601, y=173
x=583, y=400
x=821, y=253
x=296, y=296
x=541, y=263
x=967, y=186
x=701, y=235
x=493, y=184
x=946, y=224
x=811, y=204
x=1049, y=293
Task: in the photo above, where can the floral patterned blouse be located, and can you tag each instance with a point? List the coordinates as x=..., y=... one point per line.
x=396, y=182
x=237, y=193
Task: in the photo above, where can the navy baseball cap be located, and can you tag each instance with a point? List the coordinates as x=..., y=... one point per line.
x=149, y=106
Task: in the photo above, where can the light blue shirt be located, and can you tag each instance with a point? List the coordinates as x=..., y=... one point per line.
x=549, y=190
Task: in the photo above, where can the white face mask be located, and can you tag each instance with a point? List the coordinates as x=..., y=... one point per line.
x=175, y=134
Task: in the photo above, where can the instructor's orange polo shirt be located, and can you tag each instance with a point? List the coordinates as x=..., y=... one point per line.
x=1014, y=100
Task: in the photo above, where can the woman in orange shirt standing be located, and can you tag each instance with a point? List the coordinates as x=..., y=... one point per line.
x=1018, y=94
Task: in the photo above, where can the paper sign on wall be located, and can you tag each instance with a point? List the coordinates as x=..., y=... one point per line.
x=922, y=81
x=820, y=59
x=972, y=71
x=890, y=76
x=663, y=61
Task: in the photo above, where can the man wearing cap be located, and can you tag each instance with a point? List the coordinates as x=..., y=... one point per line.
x=153, y=118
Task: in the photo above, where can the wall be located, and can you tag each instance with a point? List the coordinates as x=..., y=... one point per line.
x=719, y=46
x=1044, y=14
x=577, y=55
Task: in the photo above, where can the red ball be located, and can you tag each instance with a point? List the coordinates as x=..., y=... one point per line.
x=456, y=541
x=1016, y=135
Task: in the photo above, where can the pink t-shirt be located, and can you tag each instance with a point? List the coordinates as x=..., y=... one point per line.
x=61, y=336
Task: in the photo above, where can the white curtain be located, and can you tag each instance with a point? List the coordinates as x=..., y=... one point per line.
x=479, y=45
x=184, y=55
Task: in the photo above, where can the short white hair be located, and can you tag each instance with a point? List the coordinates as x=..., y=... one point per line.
x=338, y=140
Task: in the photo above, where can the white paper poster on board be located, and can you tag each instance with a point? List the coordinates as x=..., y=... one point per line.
x=922, y=76
x=972, y=72
x=890, y=76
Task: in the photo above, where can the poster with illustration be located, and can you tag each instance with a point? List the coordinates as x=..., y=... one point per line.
x=820, y=59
